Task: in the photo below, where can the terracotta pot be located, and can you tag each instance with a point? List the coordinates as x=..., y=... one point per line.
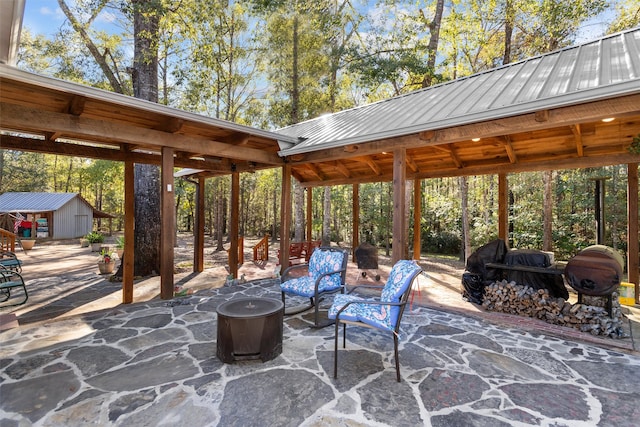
x=106, y=267
x=27, y=244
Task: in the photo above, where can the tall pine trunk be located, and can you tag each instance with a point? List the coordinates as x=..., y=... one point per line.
x=146, y=177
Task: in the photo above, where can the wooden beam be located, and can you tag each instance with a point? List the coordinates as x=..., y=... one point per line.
x=285, y=217
x=168, y=223
x=172, y=125
x=315, y=171
x=234, y=226
x=503, y=207
x=374, y=167
x=122, y=154
x=399, y=238
x=451, y=152
x=76, y=105
x=309, y=220
x=411, y=164
x=506, y=140
x=129, y=230
x=577, y=134
x=417, y=217
x=562, y=116
x=355, y=215
x=340, y=167
x=633, y=255
x=198, y=245
x=32, y=120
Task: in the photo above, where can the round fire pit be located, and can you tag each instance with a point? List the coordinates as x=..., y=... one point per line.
x=249, y=328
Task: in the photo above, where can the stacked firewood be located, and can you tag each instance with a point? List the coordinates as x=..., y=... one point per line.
x=591, y=316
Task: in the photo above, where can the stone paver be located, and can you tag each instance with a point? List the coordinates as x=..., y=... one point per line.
x=154, y=364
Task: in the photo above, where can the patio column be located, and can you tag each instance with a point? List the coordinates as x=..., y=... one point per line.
x=309, y=213
x=129, y=225
x=355, y=212
x=234, y=227
x=503, y=207
x=399, y=239
x=198, y=227
x=168, y=224
x=633, y=257
x=417, y=216
x=285, y=217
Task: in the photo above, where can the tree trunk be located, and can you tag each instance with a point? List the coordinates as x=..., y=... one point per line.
x=295, y=91
x=466, y=229
x=147, y=177
x=434, y=38
x=508, y=31
x=219, y=216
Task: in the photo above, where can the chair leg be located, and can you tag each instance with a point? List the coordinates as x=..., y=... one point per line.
x=335, y=350
x=344, y=335
x=395, y=346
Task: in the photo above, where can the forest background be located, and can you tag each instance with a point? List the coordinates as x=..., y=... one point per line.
x=271, y=63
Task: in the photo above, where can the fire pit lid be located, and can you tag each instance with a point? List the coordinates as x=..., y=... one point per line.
x=249, y=307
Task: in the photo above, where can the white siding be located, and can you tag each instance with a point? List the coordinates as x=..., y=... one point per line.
x=72, y=220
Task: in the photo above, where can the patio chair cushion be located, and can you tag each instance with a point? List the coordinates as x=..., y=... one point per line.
x=378, y=315
x=321, y=262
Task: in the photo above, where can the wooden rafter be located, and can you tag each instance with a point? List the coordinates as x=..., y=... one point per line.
x=452, y=153
x=372, y=164
x=506, y=140
x=577, y=134
x=340, y=167
x=411, y=164
x=315, y=171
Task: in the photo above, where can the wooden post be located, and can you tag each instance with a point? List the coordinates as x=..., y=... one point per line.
x=129, y=227
x=355, y=212
x=417, y=217
x=235, y=221
x=198, y=228
x=285, y=217
x=399, y=239
x=168, y=223
x=309, y=213
x=633, y=256
x=503, y=207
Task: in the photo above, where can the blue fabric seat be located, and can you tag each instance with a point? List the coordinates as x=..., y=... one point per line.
x=382, y=313
x=325, y=273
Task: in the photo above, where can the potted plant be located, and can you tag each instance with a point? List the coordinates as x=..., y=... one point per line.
x=120, y=246
x=95, y=239
x=106, y=261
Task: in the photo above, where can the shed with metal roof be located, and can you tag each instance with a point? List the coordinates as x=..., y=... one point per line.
x=58, y=215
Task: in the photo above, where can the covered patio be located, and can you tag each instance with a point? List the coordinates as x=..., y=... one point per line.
x=575, y=108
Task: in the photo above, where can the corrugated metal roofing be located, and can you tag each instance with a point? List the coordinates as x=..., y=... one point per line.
x=34, y=202
x=595, y=70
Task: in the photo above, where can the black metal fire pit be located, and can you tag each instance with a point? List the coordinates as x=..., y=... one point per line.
x=366, y=256
x=249, y=328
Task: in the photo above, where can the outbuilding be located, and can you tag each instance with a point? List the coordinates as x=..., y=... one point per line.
x=48, y=215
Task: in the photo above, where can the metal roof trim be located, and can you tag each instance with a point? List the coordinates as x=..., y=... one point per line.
x=564, y=100
x=53, y=83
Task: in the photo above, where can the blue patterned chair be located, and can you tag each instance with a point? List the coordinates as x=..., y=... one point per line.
x=382, y=313
x=325, y=273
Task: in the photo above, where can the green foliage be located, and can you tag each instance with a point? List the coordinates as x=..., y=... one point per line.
x=634, y=148
x=94, y=237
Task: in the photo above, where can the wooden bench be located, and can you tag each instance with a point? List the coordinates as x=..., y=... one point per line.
x=10, y=261
x=301, y=250
x=10, y=280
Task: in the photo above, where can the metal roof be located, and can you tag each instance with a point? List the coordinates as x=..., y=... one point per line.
x=592, y=71
x=35, y=202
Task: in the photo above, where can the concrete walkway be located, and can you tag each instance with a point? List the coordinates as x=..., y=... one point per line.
x=153, y=363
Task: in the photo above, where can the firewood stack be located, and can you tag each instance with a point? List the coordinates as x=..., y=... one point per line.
x=591, y=316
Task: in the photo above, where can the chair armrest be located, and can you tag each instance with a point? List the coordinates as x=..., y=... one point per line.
x=377, y=287
x=370, y=302
x=300, y=269
x=7, y=254
x=329, y=274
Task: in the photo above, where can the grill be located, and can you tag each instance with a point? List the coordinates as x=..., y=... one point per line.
x=367, y=259
x=595, y=271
